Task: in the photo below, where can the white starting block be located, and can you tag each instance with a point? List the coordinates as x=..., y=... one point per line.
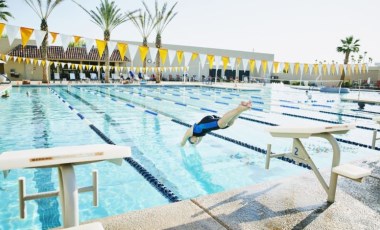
x=374, y=137
x=64, y=158
x=361, y=101
x=300, y=155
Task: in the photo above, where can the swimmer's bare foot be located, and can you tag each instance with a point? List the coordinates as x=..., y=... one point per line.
x=245, y=105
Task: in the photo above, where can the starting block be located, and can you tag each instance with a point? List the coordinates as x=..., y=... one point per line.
x=300, y=155
x=64, y=159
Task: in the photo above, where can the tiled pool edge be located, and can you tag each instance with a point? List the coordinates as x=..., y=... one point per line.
x=263, y=206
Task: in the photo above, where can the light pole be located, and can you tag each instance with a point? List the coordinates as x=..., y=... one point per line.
x=253, y=72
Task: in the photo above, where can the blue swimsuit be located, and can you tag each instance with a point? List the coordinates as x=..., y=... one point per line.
x=206, y=125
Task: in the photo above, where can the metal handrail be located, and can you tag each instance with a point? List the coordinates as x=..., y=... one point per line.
x=9, y=80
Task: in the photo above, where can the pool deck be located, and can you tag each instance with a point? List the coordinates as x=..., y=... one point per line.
x=291, y=203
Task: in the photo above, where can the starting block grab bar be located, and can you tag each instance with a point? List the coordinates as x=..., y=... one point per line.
x=23, y=197
x=374, y=139
x=295, y=156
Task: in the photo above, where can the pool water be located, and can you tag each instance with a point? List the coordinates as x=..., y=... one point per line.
x=146, y=118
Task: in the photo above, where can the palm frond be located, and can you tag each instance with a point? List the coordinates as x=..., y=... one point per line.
x=349, y=44
x=40, y=8
x=147, y=9
x=4, y=14
x=43, y=10
x=53, y=6
x=47, y=6
x=97, y=19
x=162, y=17
x=135, y=20
x=143, y=22
x=168, y=20
x=34, y=8
x=107, y=15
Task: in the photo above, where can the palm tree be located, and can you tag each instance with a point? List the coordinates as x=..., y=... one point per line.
x=145, y=24
x=163, y=18
x=4, y=14
x=353, y=59
x=43, y=11
x=360, y=59
x=107, y=16
x=349, y=44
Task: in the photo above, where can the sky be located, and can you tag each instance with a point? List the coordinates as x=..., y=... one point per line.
x=292, y=30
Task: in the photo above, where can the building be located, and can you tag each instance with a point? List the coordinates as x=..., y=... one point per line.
x=23, y=68
x=77, y=56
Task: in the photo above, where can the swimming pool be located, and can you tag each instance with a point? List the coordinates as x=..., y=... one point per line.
x=152, y=120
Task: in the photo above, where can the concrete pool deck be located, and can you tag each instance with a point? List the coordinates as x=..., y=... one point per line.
x=291, y=203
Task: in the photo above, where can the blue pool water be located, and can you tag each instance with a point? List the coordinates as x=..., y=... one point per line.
x=152, y=121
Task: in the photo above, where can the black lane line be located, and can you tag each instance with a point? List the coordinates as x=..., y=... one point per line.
x=365, y=111
x=167, y=193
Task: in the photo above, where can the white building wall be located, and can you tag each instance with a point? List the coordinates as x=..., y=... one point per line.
x=194, y=67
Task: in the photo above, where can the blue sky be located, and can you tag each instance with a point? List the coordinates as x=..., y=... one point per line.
x=293, y=30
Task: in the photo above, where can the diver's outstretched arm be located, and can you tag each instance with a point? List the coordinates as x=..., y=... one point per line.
x=189, y=133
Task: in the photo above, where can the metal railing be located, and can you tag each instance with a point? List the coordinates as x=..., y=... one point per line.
x=6, y=82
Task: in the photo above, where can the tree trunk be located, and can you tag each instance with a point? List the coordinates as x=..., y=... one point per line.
x=345, y=63
x=145, y=43
x=158, y=59
x=44, y=27
x=107, y=67
x=107, y=36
